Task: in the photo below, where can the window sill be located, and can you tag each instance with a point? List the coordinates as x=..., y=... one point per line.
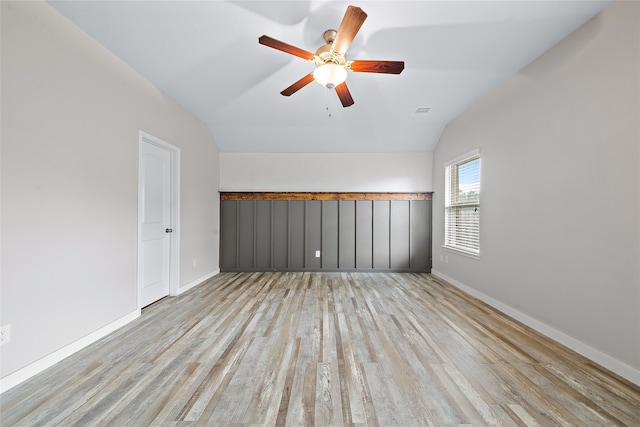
x=461, y=252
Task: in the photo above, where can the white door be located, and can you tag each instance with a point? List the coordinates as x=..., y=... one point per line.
x=155, y=222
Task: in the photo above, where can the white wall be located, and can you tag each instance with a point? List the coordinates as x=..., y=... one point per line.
x=71, y=112
x=377, y=172
x=560, y=210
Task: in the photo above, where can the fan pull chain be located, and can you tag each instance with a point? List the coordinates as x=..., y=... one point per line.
x=328, y=111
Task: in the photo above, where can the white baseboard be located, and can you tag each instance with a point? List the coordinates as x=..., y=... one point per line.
x=38, y=366
x=628, y=372
x=197, y=282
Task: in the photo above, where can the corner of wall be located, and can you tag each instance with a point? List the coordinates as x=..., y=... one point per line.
x=197, y=282
x=40, y=365
x=589, y=352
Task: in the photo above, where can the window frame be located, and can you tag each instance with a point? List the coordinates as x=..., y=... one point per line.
x=449, y=203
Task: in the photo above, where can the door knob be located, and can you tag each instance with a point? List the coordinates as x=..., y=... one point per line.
x=169, y=230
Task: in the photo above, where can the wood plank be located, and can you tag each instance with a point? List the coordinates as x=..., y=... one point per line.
x=323, y=196
x=293, y=348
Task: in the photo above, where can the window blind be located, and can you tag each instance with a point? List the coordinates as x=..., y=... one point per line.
x=462, y=205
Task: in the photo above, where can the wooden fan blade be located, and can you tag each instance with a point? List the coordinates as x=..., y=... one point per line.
x=345, y=96
x=287, y=48
x=384, y=67
x=298, y=85
x=353, y=19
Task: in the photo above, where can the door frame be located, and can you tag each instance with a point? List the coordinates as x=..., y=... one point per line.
x=174, y=251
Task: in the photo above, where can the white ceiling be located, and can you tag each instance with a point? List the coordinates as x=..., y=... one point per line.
x=206, y=56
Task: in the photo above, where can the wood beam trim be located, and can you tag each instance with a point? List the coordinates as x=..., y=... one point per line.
x=322, y=196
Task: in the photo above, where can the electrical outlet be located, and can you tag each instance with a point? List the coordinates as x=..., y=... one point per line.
x=5, y=334
x=317, y=254
x=446, y=259
x=195, y=262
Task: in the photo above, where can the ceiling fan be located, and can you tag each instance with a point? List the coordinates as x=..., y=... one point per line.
x=332, y=65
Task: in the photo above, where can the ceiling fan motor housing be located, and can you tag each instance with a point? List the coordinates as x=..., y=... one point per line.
x=325, y=54
x=329, y=36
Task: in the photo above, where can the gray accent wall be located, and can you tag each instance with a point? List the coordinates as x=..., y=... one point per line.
x=362, y=235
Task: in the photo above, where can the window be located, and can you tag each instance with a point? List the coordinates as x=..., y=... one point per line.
x=462, y=204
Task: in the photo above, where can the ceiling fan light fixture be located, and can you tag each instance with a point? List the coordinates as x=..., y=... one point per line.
x=330, y=75
x=332, y=65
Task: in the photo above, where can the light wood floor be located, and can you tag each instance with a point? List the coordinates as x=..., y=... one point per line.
x=324, y=349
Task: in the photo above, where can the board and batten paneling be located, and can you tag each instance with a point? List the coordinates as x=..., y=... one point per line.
x=381, y=238
x=228, y=235
x=263, y=234
x=313, y=234
x=351, y=232
x=364, y=233
x=346, y=234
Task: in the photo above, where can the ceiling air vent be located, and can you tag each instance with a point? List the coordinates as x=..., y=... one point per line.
x=422, y=110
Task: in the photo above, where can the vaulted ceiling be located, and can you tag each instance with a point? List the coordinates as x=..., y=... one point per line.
x=205, y=55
